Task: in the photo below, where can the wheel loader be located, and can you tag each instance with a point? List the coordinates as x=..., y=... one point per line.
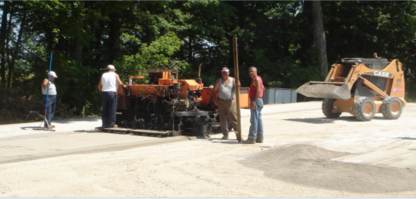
x=361, y=87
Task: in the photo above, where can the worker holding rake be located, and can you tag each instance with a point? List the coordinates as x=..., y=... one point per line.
x=49, y=98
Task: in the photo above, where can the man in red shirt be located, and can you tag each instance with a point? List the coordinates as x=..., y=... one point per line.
x=256, y=105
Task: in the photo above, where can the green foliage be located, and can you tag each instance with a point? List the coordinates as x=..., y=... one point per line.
x=276, y=37
x=154, y=56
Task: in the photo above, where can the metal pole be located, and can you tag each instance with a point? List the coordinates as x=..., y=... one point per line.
x=237, y=79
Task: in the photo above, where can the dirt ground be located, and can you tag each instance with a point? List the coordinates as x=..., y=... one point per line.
x=304, y=155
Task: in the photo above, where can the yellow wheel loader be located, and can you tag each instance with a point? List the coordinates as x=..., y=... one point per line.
x=362, y=87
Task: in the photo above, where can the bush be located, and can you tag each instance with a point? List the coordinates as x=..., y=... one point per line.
x=17, y=106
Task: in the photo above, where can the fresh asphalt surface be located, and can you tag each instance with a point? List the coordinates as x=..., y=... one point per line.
x=304, y=155
x=19, y=142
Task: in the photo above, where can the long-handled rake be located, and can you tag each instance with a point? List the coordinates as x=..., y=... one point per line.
x=46, y=104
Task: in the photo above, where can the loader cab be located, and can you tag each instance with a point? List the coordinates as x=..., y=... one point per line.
x=375, y=63
x=348, y=63
x=372, y=63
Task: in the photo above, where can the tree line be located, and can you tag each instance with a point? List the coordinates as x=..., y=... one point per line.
x=290, y=42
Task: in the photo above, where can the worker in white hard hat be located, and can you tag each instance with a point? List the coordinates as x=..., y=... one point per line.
x=108, y=88
x=225, y=87
x=49, y=95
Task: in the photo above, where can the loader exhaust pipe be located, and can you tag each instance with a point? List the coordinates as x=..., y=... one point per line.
x=199, y=80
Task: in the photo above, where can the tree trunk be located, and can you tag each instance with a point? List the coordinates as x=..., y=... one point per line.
x=8, y=49
x=115, y=33
x=319, y=36
x=3, y=38
x=78, y=45
x=190, y=55
x=16, y=51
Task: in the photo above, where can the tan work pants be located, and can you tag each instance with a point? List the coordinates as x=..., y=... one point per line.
x=227, y=109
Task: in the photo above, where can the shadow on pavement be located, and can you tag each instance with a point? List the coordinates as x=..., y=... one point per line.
x=312, y=120
x=124, y=133
x=324, y=120
x=88, y=119
x=87, y=131
x=221, y=141
x=406, y=138
x=28, y=127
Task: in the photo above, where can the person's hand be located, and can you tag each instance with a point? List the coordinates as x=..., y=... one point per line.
x=253, y=106
x=47, y=85
x=216, y=102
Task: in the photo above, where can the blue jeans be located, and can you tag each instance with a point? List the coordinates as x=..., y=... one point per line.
x=50, y=111
x=256, y=127
x=108, y=114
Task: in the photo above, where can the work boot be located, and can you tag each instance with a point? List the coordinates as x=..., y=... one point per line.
x=112, y=126
x=50, y=127
x=259, y=140
x=249, y=141
x=225, y=137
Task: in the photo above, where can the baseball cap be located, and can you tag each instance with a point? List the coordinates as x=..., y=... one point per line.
x=225, y=69
x=111, y=67
x=53, y=74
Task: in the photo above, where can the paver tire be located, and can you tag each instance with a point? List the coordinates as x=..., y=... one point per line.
x=364, y=109
x=391, y=108
x=327, y=108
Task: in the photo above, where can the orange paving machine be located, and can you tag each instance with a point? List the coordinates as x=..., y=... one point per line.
x=161, y=104
x=361, y=87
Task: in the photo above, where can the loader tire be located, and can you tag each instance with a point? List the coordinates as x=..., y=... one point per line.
x=391, y=108
x=364, y=109
x=327, y=108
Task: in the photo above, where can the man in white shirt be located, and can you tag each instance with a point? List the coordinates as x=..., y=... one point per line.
x=49, y=96
x=225, y=87
x=108, y=88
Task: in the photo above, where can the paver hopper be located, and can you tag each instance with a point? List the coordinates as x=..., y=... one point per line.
x=362, y=87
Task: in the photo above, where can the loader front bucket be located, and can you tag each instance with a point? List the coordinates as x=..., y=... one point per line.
x=325, y=90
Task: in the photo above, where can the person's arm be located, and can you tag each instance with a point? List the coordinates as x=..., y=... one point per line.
x=236, y=86
x=45, y=84
x=235, y=83
x=258, y=85
x=118, y=80
x=215, y=91
x=100, y=86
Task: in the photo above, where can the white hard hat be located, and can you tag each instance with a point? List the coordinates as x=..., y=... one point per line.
x=111, y=67
x=53, y=74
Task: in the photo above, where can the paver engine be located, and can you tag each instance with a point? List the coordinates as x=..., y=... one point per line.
x=164, y=105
